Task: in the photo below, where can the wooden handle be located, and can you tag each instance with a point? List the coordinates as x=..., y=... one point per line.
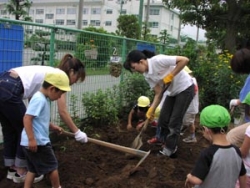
x=124, y=149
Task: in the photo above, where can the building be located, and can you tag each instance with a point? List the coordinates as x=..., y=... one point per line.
x=102, y=13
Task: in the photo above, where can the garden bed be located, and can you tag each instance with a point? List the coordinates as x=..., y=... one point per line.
x=93, y=166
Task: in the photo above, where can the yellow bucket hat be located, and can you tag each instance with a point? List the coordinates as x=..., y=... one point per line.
x=59, y=79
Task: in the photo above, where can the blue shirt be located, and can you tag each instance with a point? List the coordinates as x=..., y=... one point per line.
x=39, y=108
x=243, y=93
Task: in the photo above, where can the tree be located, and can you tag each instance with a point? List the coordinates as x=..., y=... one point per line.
x=225, y=21
x=19, y=8
x=128, y=26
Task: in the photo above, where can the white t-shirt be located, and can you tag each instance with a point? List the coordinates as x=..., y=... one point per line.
x=194, y=105
x=32, y=77
x=161, y=65
x=247, y=158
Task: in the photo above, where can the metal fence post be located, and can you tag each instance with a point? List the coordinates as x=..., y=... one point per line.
x=124, y=41
x=52, y=47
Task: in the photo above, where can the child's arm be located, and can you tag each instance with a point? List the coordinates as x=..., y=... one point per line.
x=27, y=121
x=242, y=181
x=55, y=128
x=129, y=126
x=192, y=180
x=245, y=146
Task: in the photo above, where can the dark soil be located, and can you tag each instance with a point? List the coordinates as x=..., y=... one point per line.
x=94, y=166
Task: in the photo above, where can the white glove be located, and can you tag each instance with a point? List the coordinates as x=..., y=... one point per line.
x=234, y=102
x=81, y=136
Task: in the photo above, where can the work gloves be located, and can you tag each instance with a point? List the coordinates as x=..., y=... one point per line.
x=234, y=102
x=81, y=136
x=150, y=114
x=168, y=79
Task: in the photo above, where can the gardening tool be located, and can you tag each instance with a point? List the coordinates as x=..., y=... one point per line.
x=137, y=143
x=124, y=149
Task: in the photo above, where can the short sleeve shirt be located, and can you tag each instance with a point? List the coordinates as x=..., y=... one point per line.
x=39, y=108
x=161, y=65
x=219, y=166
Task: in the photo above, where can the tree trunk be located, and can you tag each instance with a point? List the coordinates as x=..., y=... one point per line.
x=230, y=38
x=234, y=15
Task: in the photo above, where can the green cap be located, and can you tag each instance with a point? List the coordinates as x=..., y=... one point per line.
x=247, y=99
x=215, y=116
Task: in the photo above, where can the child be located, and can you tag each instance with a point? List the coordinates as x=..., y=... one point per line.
x=219, y=165
x=138, y=113
x=35, y=135
x=193, y=109
x=159, y=71
x=156, y=139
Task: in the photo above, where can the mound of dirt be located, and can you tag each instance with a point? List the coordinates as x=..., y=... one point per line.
x=94, y=166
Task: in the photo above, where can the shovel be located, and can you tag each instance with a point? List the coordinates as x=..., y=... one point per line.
x=137, y=143
x=124, y=149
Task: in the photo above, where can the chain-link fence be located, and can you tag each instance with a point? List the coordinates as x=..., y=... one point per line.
x=26, y=43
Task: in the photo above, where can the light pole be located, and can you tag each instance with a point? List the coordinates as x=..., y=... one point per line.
x=140, y=15
x=80, y=9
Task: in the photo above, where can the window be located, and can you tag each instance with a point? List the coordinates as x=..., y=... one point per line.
x=85, y=22
x=108, y=23
x=95, y=11
x=71, y=22
x=172, y=16
x=85, y=11
x=109, y=11
x=71, y=10
x=60, y=11
x=95, y=22
x=29, y=31
x=39, y=11
x=123, y=11
x=3, y=12
x=154, y=12
x=39, y=20
x=49, y=16
x=171, y=28
x=153, y=24
x=59, y=22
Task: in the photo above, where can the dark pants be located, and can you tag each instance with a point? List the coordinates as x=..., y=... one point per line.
x=41, y=162
x=172, y=113
x=12, y=110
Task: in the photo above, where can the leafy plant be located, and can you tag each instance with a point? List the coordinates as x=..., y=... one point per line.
x=101, y=107
x=131, y=88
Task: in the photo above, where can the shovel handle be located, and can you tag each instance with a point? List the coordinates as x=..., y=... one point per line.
x=124, y=149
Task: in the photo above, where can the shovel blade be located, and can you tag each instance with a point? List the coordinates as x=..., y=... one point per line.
x=137, y=143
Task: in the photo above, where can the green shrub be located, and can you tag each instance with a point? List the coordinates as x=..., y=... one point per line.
x=131, y=88
x=218, y=84
x=101, y=107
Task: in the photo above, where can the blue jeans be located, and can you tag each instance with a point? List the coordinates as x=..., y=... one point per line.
x=12, y=110
x=172, y=113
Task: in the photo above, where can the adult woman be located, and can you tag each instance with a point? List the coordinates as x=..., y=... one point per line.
x=21, y=83
x=160, y=70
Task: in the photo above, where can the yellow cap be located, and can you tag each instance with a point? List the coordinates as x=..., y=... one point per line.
x=143, y=101
x=187, y=70
x=59, y=79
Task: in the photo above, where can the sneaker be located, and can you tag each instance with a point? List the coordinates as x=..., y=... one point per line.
x=189, y=139
x=11, y=174
x=165, y=151
x=20, y=179
x=154, y=140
